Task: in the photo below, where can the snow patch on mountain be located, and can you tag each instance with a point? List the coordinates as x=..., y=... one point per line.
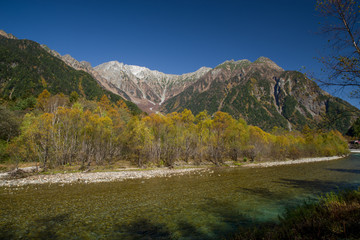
x=141, y=83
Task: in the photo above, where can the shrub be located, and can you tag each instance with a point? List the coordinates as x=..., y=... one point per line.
x=334, y=216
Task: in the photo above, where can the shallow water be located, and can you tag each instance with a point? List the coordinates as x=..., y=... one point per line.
x=196, y=206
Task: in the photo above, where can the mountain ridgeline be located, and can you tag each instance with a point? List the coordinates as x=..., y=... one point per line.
x=26, y=69
x=260, y=92
x=264, y=95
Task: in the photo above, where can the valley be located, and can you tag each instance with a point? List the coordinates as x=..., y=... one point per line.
x=261, y=92
x=129, y=137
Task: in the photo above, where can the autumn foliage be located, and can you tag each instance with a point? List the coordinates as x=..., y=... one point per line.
x=82, y=132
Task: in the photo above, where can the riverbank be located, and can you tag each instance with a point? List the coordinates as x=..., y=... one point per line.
x=289, y=162
x=123, y=174
x=93, y=177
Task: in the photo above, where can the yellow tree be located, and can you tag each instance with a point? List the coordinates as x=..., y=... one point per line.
x=38, y=134
x=105, y=103
x=217, y=145
x=259, y=141
x=43, y=99
x=68, y=133
x=103, y=139
x=97, y=138
x=118, y=117
x=203, y=126
x=188, y=133
x=237, y=138
x=87, y=143
x=297, y=145
x=280, y=146
x=138, y=140
x=122, y=105
x=173, y=138
x=156, y=124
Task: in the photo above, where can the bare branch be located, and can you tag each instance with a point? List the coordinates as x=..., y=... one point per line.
x=342, y=25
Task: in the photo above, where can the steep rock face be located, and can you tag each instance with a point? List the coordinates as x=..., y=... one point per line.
x=145, y=87
x=264, y=95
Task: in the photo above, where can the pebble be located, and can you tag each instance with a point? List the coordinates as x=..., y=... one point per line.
x=298, y=161
x=91, y=177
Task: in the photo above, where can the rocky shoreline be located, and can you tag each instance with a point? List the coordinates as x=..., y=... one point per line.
x=93, y=177
x=297, y=161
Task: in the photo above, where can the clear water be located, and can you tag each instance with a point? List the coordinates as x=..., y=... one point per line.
x=196, y=206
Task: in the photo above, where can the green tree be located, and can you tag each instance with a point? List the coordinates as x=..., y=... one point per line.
x=354, y=131
x=43, y=100
x=9, y=124
x=74, y=96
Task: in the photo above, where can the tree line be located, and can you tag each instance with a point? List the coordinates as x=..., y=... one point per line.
x=67, y=130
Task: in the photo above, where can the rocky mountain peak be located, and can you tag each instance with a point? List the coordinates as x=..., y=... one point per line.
x=69, y=60
x=110, y=66
x=198, y=73
x=148, y=88
x=260, y=92
x=86, y=64
x=86, y=67
x=243, y=61
x=227, y=62
x=7, y=35
x=140, y=72
x=231, y=64
x=203, y=69
x=269, y=63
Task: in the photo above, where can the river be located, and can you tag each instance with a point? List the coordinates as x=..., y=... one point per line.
x=197, y=206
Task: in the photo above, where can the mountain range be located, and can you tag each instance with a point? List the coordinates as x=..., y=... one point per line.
x=260, y=92
x=26, y=69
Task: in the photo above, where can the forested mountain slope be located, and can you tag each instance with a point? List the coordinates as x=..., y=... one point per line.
x=26, y=69
x=264, y=95
x=261, y=92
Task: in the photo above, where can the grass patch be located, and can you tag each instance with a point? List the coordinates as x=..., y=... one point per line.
x=334, y=216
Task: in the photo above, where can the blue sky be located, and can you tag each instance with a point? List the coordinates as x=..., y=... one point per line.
x=173, y=36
